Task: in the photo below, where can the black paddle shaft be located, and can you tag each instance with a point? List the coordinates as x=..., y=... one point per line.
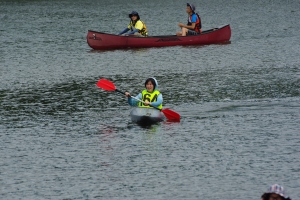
x=120, y=91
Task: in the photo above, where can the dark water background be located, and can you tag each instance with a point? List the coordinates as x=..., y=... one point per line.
x=61, y=137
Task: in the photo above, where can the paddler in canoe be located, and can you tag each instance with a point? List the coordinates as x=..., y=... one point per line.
x=151, y=95
x=136, y=26
x=194, y=26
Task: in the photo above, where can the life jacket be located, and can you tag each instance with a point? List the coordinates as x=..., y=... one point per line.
x=144, y=30
x=198, y=25
x=149, y=96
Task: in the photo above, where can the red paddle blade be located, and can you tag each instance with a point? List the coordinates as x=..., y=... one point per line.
x=171, y=115
x=106, y=85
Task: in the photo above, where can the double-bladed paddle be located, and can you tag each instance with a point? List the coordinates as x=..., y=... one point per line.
x=109, y=86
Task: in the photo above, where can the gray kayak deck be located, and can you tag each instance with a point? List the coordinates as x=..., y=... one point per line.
x=146, y=115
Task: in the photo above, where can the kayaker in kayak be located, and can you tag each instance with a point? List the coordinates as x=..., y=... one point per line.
x=151, y=95
x=275, y=192
x=136, y=26
x=194, y=25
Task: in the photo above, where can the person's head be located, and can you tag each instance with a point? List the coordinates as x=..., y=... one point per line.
x=275, y=192
x=134, y=16
x=151, y=84
x=190, y=8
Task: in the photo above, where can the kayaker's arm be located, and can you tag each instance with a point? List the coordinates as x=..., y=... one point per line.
x=124, y=31
x=158, y=102
x=132, y=101
x=134, y=31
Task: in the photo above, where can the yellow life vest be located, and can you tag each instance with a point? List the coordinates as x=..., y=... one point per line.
x=151, y=97
x=143, y=31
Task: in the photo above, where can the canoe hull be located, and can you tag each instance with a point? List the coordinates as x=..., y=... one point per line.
x=146, y=116
x=104, y=41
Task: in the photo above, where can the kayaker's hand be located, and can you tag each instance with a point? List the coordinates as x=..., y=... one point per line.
x=127, y=94
x=147, y=103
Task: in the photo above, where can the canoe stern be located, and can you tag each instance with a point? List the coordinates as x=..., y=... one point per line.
x=97, y=40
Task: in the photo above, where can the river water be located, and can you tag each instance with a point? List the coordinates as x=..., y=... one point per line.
x=61, y=137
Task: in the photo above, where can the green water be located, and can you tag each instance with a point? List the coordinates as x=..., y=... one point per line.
x=64, y=138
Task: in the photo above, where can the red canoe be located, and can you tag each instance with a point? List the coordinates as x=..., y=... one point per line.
x=102, y=41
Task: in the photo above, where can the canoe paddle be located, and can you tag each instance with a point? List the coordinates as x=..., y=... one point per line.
x=109, y=86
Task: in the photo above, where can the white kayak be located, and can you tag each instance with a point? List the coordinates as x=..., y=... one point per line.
x=146, y=115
